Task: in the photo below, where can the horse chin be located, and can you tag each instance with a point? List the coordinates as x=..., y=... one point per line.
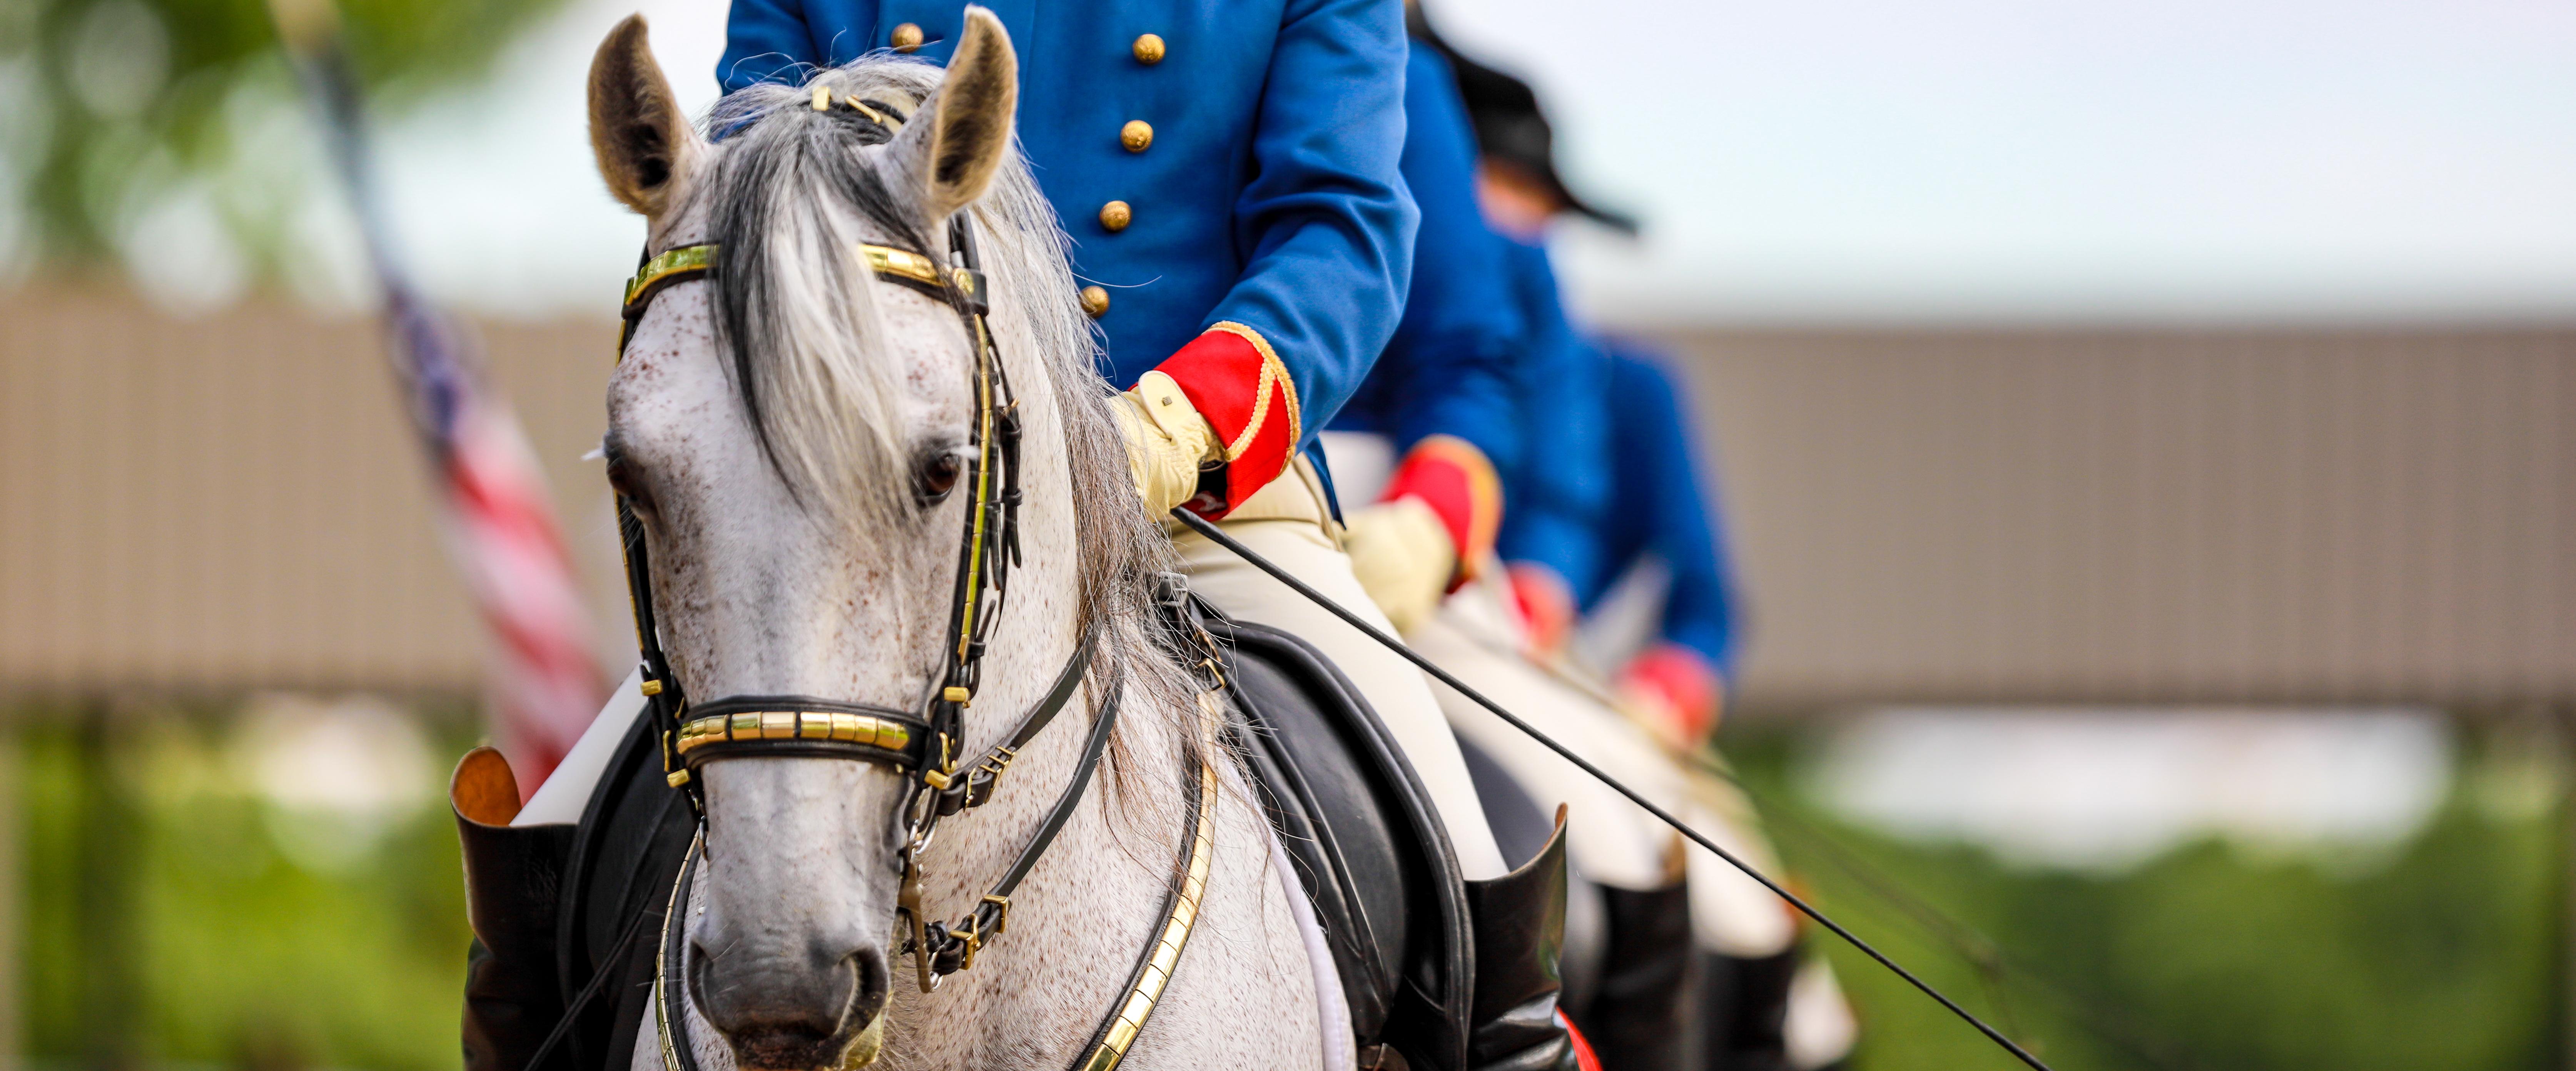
x=864, y=1048
x=775, y=1053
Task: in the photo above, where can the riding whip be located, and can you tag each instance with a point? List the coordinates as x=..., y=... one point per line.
x=1208, y=528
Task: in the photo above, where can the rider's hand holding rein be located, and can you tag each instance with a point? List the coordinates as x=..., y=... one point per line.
x=1431, y=531
x=1168, y=442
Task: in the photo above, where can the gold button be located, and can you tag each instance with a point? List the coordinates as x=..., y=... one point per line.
x=906, y=37
x=1095, y=301
x=1136, y=135
x=1116, y=215
x=1148, y=49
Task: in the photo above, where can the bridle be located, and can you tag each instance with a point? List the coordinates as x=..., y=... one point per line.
x=922, y=745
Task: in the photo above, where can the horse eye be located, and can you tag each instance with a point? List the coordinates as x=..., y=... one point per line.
x=624, y=479
x=936, y=475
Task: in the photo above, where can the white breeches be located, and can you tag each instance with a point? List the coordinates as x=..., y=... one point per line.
x=1288, y=523
x=1609, y=840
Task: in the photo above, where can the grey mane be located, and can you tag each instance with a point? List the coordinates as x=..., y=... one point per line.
x=792, y=190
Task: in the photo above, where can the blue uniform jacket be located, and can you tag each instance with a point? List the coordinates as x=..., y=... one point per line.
x=1560, y=487
x=1611, y=476
x=1271, y=232
x=1664, y=508
x=1449, y=369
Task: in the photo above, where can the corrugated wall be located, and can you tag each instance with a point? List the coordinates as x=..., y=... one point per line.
x=2150, y=516
x=232, y=502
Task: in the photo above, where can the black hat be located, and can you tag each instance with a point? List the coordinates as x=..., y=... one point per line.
x=1511, y=128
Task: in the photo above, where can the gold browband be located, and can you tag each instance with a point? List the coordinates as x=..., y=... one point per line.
x=687, y=259
x=884, y=260
x=861, y=729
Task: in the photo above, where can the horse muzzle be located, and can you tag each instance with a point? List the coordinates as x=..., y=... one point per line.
x=780, y=1016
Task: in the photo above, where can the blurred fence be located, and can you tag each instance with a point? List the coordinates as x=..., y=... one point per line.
x=234, y=501
x=2149, y=515
x=229, y=502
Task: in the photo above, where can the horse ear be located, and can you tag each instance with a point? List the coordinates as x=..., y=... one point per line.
x=643, y=142
x=956, y=143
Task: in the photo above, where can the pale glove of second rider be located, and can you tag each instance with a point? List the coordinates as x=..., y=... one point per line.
x=1403, y=557
x=1167, y=441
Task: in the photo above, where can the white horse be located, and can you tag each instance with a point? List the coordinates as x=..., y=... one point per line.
x=789, y=430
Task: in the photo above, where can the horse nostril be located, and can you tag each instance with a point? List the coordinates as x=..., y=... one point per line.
x=868, y=965
x=776, y=1017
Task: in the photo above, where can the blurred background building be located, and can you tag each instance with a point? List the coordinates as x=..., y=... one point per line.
x=2148, y=437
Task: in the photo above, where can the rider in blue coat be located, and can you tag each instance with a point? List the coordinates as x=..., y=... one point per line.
x=1663, y=512
x=1228, y=173
x=1443, y=391
x=1616, y=482
x=1230, y=176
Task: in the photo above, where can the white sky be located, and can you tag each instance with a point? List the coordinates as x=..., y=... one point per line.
x=1841, y=160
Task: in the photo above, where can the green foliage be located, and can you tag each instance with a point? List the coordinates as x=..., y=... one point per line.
x=2443, y=953
x=2440, y=953
x=110, y=109
x=236, y=953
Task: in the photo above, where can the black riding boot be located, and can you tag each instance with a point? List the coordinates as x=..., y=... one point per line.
x=1519, y=922
x=1639, y=1018
x=1745, y=1011
x=512, y=998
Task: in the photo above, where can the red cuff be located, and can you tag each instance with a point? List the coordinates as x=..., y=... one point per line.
x=1234, y=378
x=1453, y=478
x=1545, y=603
x=1683, y=682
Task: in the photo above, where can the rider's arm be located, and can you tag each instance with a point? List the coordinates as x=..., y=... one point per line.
x=1442, y=391
x=1666, y=510
x=1560, y=489
x=1664, y=506
x=1327, y=229
x=1447, y=374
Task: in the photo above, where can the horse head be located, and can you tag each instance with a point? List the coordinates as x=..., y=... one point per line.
x=790, y=434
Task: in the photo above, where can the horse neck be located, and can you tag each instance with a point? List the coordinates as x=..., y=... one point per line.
x=1079, y=919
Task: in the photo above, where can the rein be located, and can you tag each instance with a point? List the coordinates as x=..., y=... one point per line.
x=921, y=745
x=1216, y=535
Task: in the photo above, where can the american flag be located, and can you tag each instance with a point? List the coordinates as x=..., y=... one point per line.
x=498, y=520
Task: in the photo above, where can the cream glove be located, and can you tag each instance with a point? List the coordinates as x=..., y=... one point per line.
x=1403, y=557
x=1167, y=442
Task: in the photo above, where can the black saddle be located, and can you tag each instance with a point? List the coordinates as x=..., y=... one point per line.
x=564, y=909
x=1366, y=841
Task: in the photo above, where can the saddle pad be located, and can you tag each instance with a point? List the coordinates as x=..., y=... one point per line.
x=1366, y=841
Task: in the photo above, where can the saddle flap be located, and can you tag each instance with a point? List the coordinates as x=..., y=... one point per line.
x=1366, y=839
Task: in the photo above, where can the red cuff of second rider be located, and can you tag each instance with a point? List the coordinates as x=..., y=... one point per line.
x=1685, y=681
x=1452, y=477
x=1235, y=379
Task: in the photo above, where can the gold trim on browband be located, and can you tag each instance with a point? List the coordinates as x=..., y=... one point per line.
x=687, y=258
x=883, y=260
x=1176, y=936
x=887, y=260
x=906, y=264
x=862, y=729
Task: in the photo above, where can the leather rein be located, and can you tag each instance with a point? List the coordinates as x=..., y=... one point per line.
x=922, y=744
